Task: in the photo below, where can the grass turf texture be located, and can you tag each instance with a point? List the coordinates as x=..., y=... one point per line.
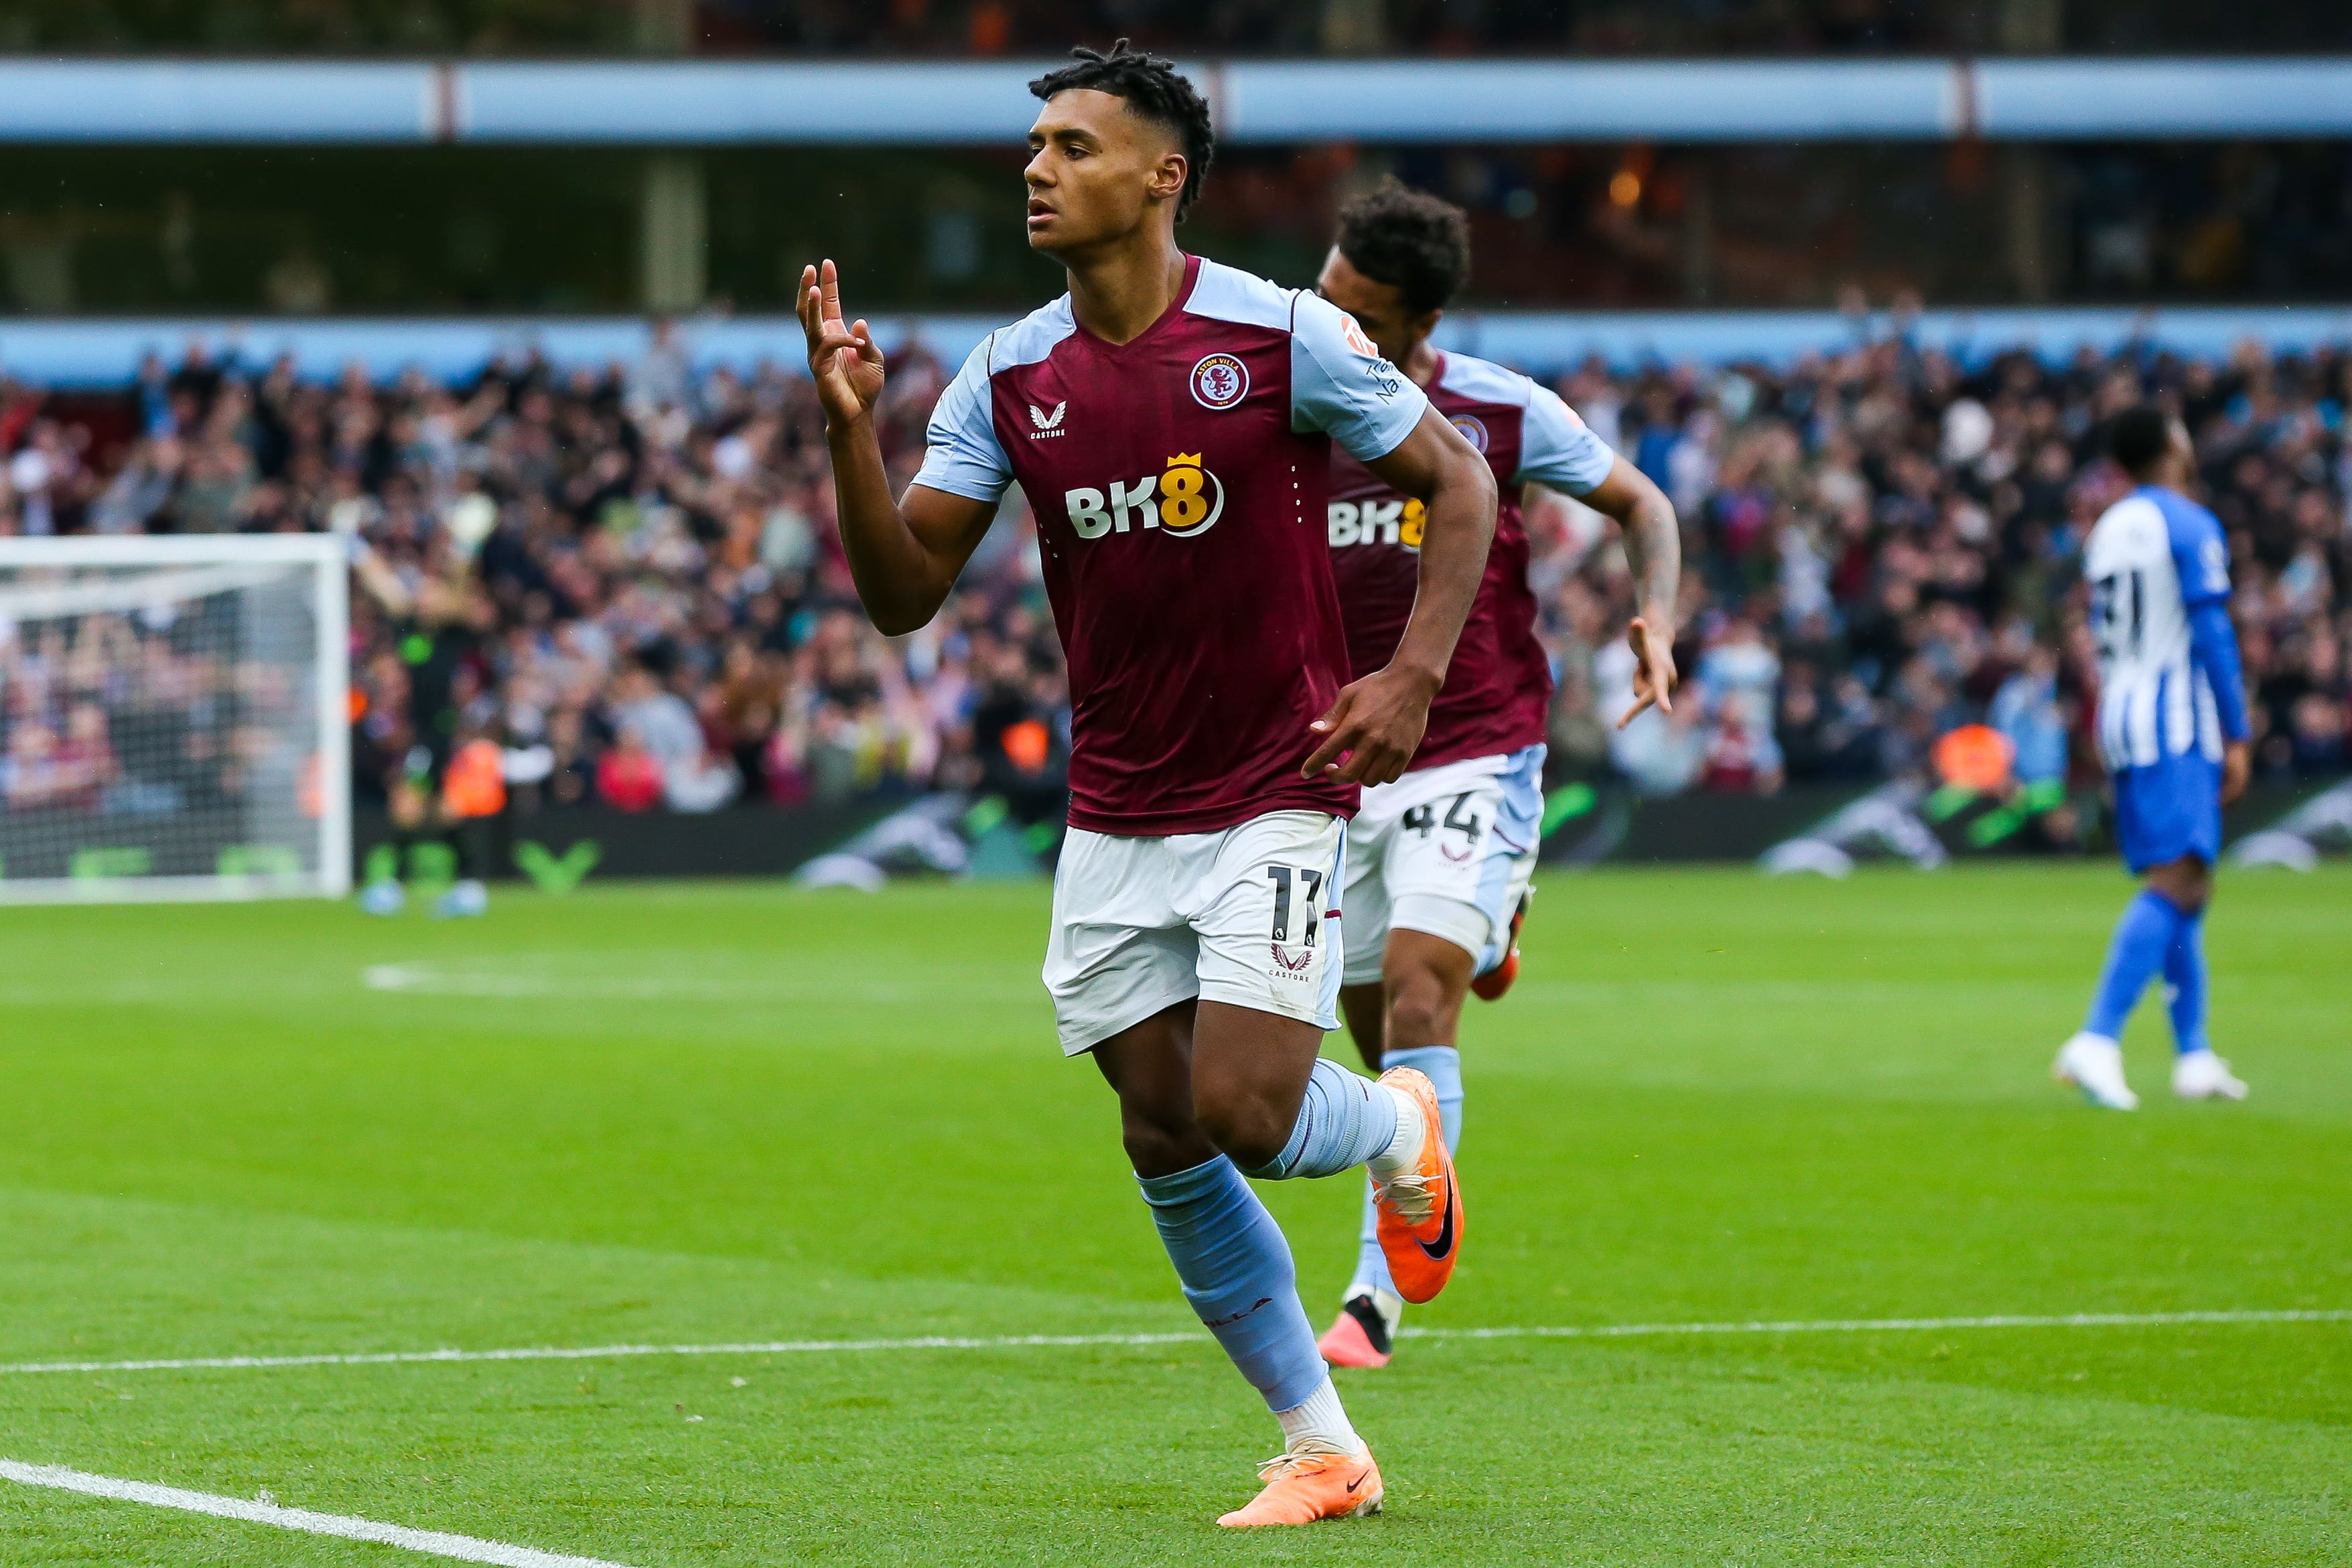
x=714, y=1114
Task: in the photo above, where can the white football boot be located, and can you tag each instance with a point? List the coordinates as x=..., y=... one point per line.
x=385, y=897
x=463, y=900
x=2201, y=1076
x=2094, y=1064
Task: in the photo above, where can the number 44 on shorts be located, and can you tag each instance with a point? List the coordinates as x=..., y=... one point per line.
x=1459, y=818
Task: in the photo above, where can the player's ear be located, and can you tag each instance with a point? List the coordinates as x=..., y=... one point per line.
x=1168, y=177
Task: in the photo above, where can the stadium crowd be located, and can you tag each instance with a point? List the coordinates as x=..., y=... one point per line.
x=629, y=576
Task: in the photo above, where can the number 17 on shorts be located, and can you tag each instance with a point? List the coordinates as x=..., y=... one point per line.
x=1280, y=916
x=1247, y=916
x=1298, y=905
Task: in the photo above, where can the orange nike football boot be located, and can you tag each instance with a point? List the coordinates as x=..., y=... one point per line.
x=1490, y=985
x=1303, y=1488
x=1420, y=1225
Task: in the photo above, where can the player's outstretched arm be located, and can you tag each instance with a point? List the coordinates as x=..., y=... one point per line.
x=1377, y=722
x=904, y=557
x=1653, y=550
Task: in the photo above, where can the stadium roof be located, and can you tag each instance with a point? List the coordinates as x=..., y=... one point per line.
x=717, y=102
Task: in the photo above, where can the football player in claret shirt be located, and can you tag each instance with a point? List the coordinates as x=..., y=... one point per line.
x=1438, y=861
x=1171, y=422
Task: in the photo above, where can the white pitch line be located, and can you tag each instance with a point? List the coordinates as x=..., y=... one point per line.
x=433, y=1543
x=599, y=1351
x=1023, y=1342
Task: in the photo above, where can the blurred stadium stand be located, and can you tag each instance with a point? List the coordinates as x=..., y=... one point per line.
x=1859, y=286
x=1881, y=546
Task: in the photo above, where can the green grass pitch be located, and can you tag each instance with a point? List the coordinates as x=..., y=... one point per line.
x=718, y=1114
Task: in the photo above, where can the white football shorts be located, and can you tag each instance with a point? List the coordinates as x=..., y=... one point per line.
x=1248, y=915
x=1447, y=850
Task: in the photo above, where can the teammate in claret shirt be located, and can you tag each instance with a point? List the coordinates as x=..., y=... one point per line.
x=1438, y=861
x=2172, y=731
x=1171, y=421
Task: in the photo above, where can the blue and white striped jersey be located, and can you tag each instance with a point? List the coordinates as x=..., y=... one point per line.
x=2152, y=557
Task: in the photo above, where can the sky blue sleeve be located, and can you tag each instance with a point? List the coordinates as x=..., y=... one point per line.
x=1556, y=449
x=963, y=456
x=1341, y=386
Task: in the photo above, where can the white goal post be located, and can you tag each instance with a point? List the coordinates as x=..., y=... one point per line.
x=174, y=718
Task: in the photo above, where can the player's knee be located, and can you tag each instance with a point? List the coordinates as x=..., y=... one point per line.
x=1416, y=1017
x=1161, y=1140
x=1154, y=1151
x=2185, y=882
x=1249, y=1130
x=1421, y=1007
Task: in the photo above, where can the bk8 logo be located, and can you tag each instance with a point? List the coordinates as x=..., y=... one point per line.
x=1376, y=523
x=1184, y=499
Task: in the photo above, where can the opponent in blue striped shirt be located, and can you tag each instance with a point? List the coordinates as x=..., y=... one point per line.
x=2172, y=733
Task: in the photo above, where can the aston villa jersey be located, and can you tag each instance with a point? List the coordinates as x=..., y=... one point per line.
x=1179, y=481
x=1497, y=690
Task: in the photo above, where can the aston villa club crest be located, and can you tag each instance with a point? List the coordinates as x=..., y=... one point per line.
x=1472, y=430
x=1220, y=381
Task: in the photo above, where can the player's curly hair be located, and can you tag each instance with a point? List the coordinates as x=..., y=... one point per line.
x=1153, y=88
x=1409, y=239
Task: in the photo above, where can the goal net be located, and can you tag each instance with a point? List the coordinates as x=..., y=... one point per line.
x=173, y=718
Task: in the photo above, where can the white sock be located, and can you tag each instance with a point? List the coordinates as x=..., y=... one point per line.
x=1319, y=1426
x=1403, y=1152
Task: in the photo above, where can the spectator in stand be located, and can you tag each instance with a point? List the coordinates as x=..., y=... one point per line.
x=628, y=776
x=85, y=762
x=29, y=774
x=1741, y=755
x=664, y=724
x=1018, y=734
x=2027, y=710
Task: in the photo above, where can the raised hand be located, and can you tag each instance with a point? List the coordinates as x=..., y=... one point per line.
x=1654, y=677
x=842, y=359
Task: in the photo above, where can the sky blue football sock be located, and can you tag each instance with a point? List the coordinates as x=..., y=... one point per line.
x=1344, y=1120
x=1372, y=1264
x=1442, y=1063
x=2184, y=972
x=1236, y=1269
x=2134, y=954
